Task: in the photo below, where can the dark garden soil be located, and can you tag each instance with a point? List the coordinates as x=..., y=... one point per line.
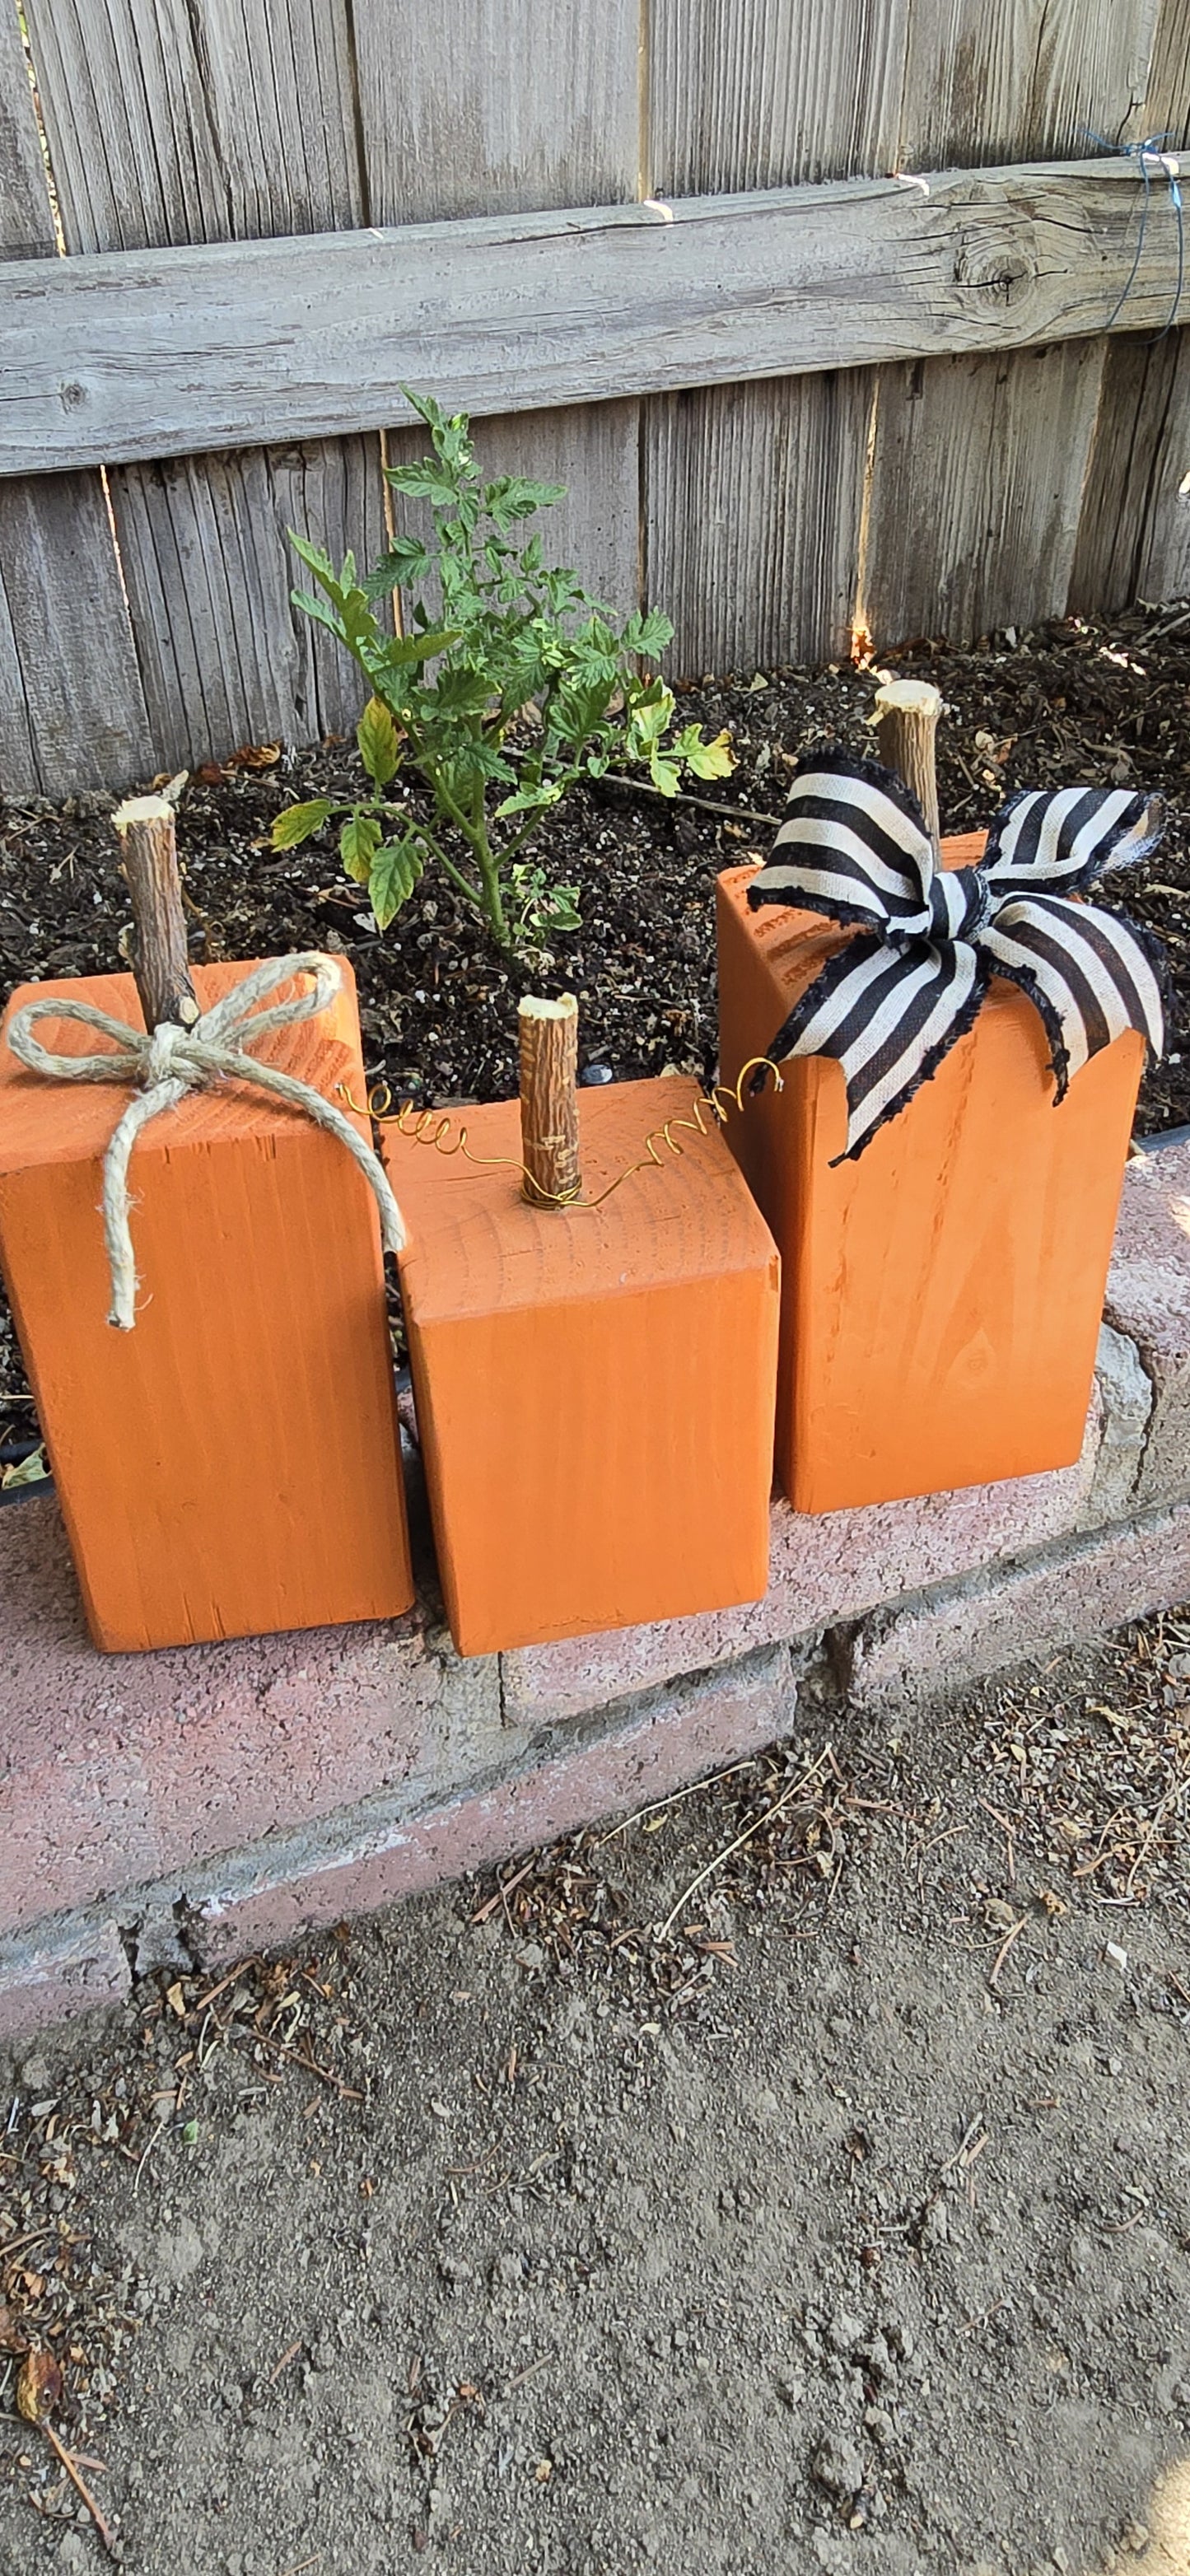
x=843, y=2225
x=1072, y=702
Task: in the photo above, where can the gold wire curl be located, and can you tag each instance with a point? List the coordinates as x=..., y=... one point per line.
x=436, y=1128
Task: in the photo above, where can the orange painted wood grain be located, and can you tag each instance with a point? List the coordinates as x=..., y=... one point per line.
x=232, y=1467
x=594, y=1389
x=941, y=1297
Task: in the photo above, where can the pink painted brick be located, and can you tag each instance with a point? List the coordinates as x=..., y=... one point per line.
x=115, y=1769
x=71, y=1972
x=825, y=1569
x=1010, y=1614
x=1148, y=1297
x=678, y=1738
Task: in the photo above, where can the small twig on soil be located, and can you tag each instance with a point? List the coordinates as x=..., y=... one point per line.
x=286, y=2358
x=33, y=2236
x=505, y=1889
x=310, y=2066
x=79, y=2483
x=674, y=1800
x=731, y=813
x=529, y=2372
x=159, y=2132
x=794, y=1790
x=1005, y=1947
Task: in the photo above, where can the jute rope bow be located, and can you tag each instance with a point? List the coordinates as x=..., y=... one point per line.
x=170, y=1061
x=890, y=1004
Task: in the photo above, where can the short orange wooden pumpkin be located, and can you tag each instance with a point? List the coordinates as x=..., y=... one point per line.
x=941, y=1297
x=594, y=1387
x=232, y=1466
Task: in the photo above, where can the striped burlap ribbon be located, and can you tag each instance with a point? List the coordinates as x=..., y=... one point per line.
x=890, y=1004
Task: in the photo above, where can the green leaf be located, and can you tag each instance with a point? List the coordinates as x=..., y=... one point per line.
x=647, y=634
x=529, y=800
x=707, y=759
x=317, y=561
x=664, y=774
x=298, y=822
x=379, y=749
x=648, y=723
x=312, y=607
x=424, y=481
x=190, y=2133
x=27, y=1471
x=359, y=841
x=515, y=497
x=407, y=560
x=395, y=870
x=425, y=407
x=401, y=650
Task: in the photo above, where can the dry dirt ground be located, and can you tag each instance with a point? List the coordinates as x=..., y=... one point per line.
x=796, y=2177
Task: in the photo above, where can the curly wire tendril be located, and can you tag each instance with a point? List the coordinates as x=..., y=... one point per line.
x=436, y=1128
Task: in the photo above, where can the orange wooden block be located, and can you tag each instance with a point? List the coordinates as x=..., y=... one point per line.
x=594, y=1387
x=941, y=1297
x=232, y=1467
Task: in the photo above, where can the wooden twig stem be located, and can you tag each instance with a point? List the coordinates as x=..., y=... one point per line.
x=161, y=965
x=907, y=713
x=549, y=1101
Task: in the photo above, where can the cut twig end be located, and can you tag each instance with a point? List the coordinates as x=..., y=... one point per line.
x=911, y=697
x=141, y=809
x=534, y=1008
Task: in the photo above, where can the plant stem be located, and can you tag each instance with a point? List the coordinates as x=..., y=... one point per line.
x=456, y=875
x=645, y=787
x=489, y=866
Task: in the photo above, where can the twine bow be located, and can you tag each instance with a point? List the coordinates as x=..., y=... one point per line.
x=890, y=1005
x=168, y=1062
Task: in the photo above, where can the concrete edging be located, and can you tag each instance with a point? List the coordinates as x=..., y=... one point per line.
x=189, y=1806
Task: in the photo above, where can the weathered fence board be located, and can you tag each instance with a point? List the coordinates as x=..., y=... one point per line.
x=167, y=124
x=764, y=94
x=753, y=525
x=1166, y=111
x=1134, y=537
x=450, y=129
x=228, y=120
x=469, y=108
x=977, y=479
x=518, y=311
x=769, y=93
x=818, y=390
x=226, y=658
x=978, y=475
x=1002, y=80
x=72, y=711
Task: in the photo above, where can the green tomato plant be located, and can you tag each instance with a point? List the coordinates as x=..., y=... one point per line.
x=534, y=687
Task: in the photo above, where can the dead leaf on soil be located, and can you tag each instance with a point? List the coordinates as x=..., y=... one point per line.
x=39, y=2386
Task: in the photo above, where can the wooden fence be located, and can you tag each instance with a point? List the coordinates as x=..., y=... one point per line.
x=677, y=254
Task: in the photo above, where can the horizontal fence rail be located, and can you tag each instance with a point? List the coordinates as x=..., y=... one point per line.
x=113, y=358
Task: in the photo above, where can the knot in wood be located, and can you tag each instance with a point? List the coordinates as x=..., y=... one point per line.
x=995, y=263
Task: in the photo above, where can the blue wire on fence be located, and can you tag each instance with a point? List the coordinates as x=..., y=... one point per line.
x=1169, y=169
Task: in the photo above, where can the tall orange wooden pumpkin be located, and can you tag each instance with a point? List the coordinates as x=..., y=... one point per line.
x=942, y=1291
x=232, y=1465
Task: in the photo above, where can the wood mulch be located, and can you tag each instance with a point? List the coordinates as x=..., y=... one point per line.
x=1105, y=703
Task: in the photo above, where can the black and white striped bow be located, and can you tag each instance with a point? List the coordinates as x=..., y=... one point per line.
x=889, y=1005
